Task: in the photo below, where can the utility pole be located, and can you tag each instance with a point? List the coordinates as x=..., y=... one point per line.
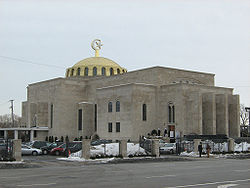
x=12, y=111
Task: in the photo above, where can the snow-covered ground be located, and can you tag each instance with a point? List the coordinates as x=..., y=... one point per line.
x=112, y=149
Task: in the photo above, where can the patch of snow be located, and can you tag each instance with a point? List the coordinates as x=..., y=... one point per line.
x=78, y=159
x=12, y=162
x=244, y=146
x=191, y=154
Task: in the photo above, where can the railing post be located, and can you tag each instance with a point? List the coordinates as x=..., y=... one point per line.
x=17, y=154
x=155, y=148
x=230, y=145
x=123, y=148
x=86, y=148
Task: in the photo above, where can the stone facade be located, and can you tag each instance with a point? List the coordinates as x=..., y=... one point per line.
x=184, y=102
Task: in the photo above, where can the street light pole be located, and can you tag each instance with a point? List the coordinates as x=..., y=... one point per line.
x=12, y=111
x=248, y=110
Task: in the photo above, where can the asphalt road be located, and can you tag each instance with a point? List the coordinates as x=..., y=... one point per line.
x=219, y=173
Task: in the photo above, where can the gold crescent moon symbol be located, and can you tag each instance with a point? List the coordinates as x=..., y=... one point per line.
x=96, y=44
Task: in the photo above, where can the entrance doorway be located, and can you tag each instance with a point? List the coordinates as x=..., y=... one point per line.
x=171, y=133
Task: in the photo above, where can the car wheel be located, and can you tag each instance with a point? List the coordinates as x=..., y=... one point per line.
x=34, y=153
x=57, y=153
x=45, y=152
x=172, y=151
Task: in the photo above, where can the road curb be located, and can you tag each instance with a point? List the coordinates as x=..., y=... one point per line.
x=12, y=165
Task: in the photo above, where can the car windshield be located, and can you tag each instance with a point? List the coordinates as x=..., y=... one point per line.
x=62, y=146
x=169, y=145
x=26, y=147
x=53, y=145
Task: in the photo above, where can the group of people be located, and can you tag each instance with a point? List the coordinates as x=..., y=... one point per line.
x=208, y=148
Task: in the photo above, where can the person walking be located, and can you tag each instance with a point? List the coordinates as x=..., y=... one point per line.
x=208, y=150
x=200, y=148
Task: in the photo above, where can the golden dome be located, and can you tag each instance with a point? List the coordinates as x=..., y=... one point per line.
x=95, y=66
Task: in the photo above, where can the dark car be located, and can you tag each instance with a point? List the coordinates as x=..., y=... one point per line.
x=77, y=147
x=5, y=151
x=47, y=149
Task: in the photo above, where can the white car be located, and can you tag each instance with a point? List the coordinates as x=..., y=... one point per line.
x=27, y=150
x=168, y=147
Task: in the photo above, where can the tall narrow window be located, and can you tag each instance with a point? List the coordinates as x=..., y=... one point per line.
x=118, y=71
x=110, y=127
x=72, y=72
x=103, y=71
x=51, y=115
x=78, y=71
x=117, y=127
x=86, y=71
x=117, y=106
x=94, y=71
x=171, y=113
x=144, y=112
x=111, y=71
x=80, y=119
x=110, y=107
x=95, y=117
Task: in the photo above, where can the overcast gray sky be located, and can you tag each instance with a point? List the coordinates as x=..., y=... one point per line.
x=201, y=35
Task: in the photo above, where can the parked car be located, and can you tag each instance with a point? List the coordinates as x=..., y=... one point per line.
x=161, y=143
x=102, y=141
x=27, y=150
x=168, y=148
x=61, y=149
x=38, y=144
x=3, y=147
x=2, y=141
x=77, y=147
x=47, y=149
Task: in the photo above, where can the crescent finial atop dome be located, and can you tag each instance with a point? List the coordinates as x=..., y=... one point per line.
x=96, y=45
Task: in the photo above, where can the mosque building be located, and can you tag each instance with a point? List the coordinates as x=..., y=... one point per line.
x=99, y=97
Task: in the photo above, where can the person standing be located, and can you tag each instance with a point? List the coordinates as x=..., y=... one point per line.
x=200, y=148
x=165, y=132
x=208, y=150
x=159, y=132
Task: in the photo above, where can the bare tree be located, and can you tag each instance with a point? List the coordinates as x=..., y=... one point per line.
x=244, y=115
x=6, y=120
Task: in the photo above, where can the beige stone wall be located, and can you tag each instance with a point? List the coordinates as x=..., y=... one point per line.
x=222, y=114
x=208, y=114
x=41, y=135
x=143, y=94
x=64, y=95
x=155, y=75
x=24, y=119
x=42, y=114
x=106, y=95
x=195, y=108
x=234, y=115
x=87, y=119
